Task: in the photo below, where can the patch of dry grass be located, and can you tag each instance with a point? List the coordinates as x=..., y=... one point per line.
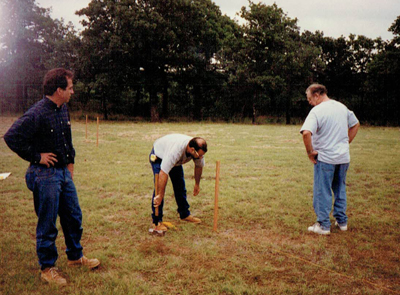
x=265, y=205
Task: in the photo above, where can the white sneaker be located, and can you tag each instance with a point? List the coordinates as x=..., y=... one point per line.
x=342, y=227
x=316, y=228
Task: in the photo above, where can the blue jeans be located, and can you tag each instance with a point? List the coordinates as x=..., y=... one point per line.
x=54, y=194
x=330, y=178
x=178, y=183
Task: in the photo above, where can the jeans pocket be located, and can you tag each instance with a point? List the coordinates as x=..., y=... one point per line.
x=43, y=173
x=330, y=168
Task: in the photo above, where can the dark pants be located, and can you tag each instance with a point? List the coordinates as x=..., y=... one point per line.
x=178, y=183
x=54, y=194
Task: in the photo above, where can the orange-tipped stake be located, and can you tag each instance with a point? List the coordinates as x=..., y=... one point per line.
x=216, y=196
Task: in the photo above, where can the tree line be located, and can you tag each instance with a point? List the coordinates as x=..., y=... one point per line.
x=183, y=58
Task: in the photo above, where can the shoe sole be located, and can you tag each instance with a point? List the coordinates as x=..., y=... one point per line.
x=83, y=265
x=156, y=232
x=189, y=221
x=322, y=234
x=311, y=230
x=52, y=282
x=94, y=267
x=339, y=227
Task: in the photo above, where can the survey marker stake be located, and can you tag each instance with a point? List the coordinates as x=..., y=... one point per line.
x=216, y=196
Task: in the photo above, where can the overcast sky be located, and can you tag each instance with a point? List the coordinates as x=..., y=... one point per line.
x=335, y=18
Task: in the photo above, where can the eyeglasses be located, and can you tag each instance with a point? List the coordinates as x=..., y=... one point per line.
x=197, y=155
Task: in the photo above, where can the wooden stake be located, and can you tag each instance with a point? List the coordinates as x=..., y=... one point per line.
x=216, y=196
x=97, y=143
x=86, y=126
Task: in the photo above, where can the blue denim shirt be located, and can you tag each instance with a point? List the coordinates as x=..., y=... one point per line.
x=44, y=128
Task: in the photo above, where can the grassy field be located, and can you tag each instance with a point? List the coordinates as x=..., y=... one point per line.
x=265, y=206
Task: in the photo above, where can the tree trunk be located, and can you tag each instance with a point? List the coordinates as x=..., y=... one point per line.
x=138, y=98
x=288, y=106
x=19, y=97
x=197, y=104
x=154, y=115
x=26, y=98
x=104, y=106
x=288, y=110
x=165, y=102
x=254, y=114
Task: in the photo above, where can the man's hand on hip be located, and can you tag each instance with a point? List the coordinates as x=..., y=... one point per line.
x=48, y=159
x=313, y=156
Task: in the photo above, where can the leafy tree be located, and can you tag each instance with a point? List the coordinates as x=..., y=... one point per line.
x=382, y=82
x=21, y=57
x=345, y=63
x=273, y=61
x=103, y=58
x=362, y=51
x=395, y=29
x=150, y=43
x=207, y=34
x=29, y=40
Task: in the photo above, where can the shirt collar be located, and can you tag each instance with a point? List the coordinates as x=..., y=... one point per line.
x=50, y=104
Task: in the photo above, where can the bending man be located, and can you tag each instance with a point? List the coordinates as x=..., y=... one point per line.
x=168, y=155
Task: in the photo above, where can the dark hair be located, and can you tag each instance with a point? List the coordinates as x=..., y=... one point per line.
x=56, y=78
x=317, y=88
x=198, y=143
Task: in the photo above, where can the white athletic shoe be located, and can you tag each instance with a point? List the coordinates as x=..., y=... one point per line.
x=342, y=227
x=316, y=228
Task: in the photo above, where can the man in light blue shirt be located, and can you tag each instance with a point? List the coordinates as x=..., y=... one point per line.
x=327, y=132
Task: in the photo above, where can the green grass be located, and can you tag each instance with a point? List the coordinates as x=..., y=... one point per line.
x=265, y=205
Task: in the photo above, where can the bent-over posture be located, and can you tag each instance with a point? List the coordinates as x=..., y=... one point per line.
x=168, y=155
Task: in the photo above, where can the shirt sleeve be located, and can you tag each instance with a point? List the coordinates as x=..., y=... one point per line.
x=169, y=160
x=310, y=124
x=199, y=162
x=19, y=138
x=352, y=119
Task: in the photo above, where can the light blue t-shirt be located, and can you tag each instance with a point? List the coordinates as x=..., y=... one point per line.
x=329, y=123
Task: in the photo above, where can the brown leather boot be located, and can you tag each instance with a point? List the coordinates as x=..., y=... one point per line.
x=53, y=276
x=192, y=219
x=83, y=261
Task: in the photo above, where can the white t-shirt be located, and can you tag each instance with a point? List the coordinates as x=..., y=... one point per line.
x=329, y=123
x=171, y=149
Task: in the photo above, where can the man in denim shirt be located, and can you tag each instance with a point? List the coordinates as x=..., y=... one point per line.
x=42, y=136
